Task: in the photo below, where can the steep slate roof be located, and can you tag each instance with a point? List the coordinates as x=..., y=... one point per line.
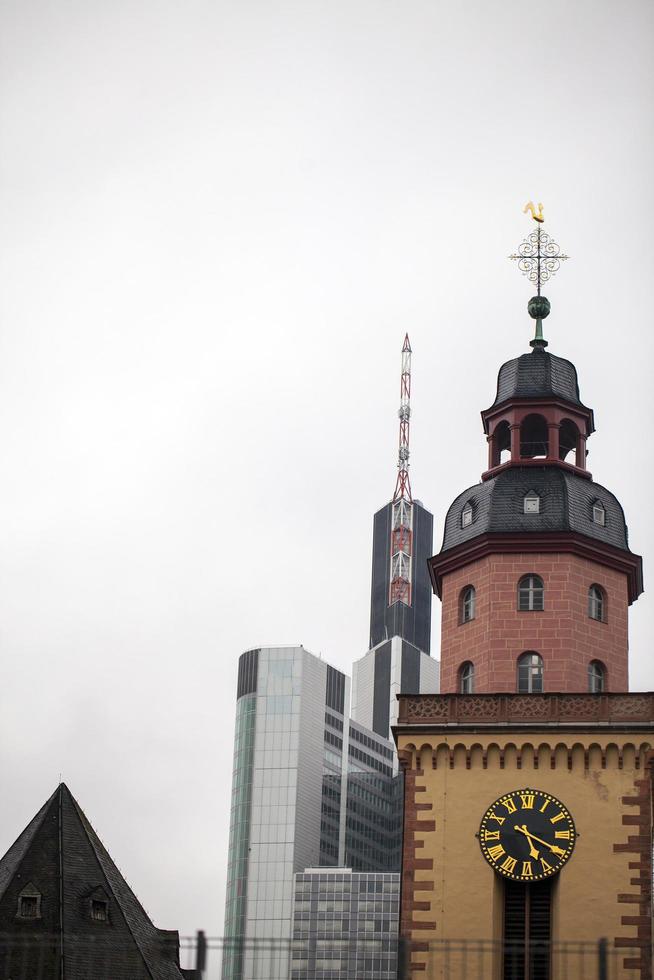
x=60, y=845
x=10, y=863
x=537, y=374
x=566, y=504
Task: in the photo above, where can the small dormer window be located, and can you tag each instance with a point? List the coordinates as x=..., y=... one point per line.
x=99, y=910
x=599, y=514
x=466, y=515
x=29, y=907
x=29, y=903
x=532, y=503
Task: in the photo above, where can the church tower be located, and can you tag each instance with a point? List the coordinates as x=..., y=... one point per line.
x=535, y=572
x=528, y=780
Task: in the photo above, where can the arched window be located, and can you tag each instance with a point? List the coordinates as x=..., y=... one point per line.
x=467, y=515
x=501, y=443
x=466, y=678
x=531, y=502
x=531, y=594
x=467, y=611
x=534, y=440
x=597, y=603
x=568, y=437
x=530, y=673
x=599, y=513
x=596, y=677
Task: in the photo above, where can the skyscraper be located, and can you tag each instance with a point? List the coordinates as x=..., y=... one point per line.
x=398, y=660
x=309, y=788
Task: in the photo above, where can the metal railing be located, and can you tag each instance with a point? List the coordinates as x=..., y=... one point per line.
x=38, y=957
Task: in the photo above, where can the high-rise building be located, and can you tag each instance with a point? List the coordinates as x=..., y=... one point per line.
x=313, y=786
x=309, y=789
x=398, y=660
x=345, y=925
x=406, y=613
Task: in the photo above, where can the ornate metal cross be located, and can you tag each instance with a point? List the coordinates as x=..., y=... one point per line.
x=538, y=257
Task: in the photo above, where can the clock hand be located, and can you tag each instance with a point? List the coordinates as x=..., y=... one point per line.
x=553, y=848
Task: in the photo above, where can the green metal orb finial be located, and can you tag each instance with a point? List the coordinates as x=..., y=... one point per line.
x=538, y=308
x=538, y=258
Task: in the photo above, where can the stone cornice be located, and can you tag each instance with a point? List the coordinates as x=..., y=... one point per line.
x=547, y=542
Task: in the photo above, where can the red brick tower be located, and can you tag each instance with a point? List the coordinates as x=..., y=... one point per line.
x=535, y=573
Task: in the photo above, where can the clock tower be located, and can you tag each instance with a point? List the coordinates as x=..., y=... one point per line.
x=528, y=780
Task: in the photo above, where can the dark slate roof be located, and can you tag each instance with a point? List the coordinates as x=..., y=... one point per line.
x=566, y=504
x=61, y=841
x=537, y=374
x=10, y=863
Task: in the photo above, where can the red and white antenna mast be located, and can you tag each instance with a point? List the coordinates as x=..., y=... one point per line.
x=403, y=485
x=402, y=504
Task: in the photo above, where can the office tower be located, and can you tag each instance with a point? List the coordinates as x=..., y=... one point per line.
x=398, y=660
x=373, y=819
x=345, y=925
x=299, y=767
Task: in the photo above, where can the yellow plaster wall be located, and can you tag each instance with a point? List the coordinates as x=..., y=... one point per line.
x=467, y=898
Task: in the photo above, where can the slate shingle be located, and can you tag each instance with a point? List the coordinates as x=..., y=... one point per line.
x=62, y=856
x=537, y=374
x=566, y=504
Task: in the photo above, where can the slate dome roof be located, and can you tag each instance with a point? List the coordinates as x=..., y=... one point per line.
x=566, y=504
x=537, y=374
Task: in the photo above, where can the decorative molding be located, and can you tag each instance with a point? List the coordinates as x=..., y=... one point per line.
x=521, y=709
x=534, y=542
x=442, y=752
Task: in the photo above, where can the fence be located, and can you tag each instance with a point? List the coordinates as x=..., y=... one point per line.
x=24, y=957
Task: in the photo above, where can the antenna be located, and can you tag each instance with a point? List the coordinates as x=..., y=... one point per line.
x=403, y=485
x=402, y=503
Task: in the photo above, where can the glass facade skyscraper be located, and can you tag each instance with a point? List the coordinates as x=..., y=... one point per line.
x=310, y=788
x=345, y=925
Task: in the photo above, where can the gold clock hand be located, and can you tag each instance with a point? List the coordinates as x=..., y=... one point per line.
x=553, y=848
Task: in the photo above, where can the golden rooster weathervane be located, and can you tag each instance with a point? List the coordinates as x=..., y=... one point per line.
x=538, y=258
x=536, y=215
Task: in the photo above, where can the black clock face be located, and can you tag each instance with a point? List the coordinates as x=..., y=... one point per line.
x=527, y=835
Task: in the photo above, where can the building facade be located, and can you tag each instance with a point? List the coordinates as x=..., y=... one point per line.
x=393, y=667
x=410, y=616
x=345, y=925
x=531, y=773
x=309, y=788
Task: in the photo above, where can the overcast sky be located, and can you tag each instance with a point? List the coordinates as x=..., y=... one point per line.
x=217, y=221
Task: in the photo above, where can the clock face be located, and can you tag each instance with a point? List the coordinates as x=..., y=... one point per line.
x=527, y=835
